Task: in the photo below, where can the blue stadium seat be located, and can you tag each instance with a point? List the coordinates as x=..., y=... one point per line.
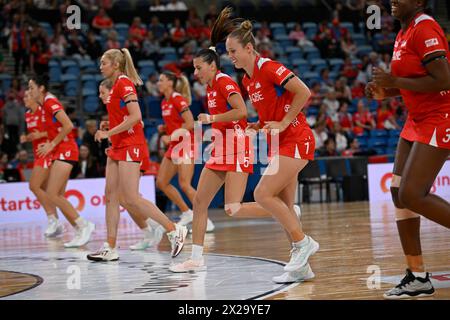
x=274, y=25
x=318, y=64
x=283, y=40
x=348, y=26
x=146, y=63
x=359, y=39
x=311, y=53
x=335, y=64
x=379, y=133
x=154, y=107
x=364, y=50
x=394, y=133
x=392, y=142
x=166, y=50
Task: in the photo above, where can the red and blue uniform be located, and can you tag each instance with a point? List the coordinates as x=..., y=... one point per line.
x=428, y=112
x=172, y=109
x=35, y=121
x=67, y=149
x=272, y=102
x=128, y=145
x=232, y=149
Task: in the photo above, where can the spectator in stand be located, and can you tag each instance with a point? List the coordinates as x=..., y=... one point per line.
x=16, y=88
x=325, y=80
x=211, y=14
x=177, y=34
x=385, y=62
x=157, y=6
x=22, y=162
x=2, y=64
x=102, y=21
x=265, y=51
x=345, y=119
x=58, y=43
x=358, y=89
x=374, y=61
x=343, y=92
x=353, y=149
x=89, y=138
x=137, y=32
x=265, y=30
x=151, y=47
x=387, y=21
x=332, y=105
x=13, y=118
x=362, y=119
x=386, y=41
x=299, y=36
x=151, y=85
x=329, y=148
x=112, y=42
x=340, y=138
x=325, y=41
x=176, y=5
x=19, y=44
x=6, y=144
x=75, y=47
x=337, y=31
x=261, y=38
x=323, y=117
x=349, y=70
x=87, y=165
x=3, y=163
x=385, y=117
x=187, y=57
x=93, y=46
x=158, y=30
x=320, y=135
x=316, y=97
x=348, y=46
x=40, y=57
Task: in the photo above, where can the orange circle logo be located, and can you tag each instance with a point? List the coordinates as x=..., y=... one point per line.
x=77, y=194
x=384, y=182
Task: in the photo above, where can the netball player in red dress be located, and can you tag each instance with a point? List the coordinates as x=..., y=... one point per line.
x=420, y=73
x=146, y=225
x=125, y=156
x=35, y=121
x=279, y=114
x=231, y=159
x=62, y=148
x=178, y=121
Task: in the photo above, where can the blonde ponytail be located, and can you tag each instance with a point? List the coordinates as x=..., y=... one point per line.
x=183, y=87
x=123, y=58
x=130, y=70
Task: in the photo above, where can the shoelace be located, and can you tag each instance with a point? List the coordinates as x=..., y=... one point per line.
x=293, y=250
x=406, y=280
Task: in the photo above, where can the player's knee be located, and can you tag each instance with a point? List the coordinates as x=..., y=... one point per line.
x=232, y=208
x=199, y=204
x=34, y=187
x=409, y=195
x=161, y=184
x=184, y=185
x=260, y=194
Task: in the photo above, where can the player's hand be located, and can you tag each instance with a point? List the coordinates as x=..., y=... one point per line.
x=23, y=138
x=161, y=128
x=45, y=148
x=104, y=125
x=275, y=127
x=374, y=92
x=101, y=135
x=383, y=79
x=252, y=128
x=205, y=118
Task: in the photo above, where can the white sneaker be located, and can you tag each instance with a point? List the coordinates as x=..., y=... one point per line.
x=177, y=238
x=54, y=229
x=304, y=274
x=188, y=266
x=186, y=218
x=298, y=211
x=209, y=226
x=143, y=244
x=82, y=236
x=158, y=234
x=299, y=256
x=105, y=253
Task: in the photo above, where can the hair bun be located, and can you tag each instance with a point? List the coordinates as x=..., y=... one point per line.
x=246, y=25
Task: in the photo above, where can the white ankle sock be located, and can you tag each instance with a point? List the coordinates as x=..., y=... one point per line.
x=81, y=223
x=148, y=233
x=197, y=252
x=189, y=211
x=152, y=223
x=52, y=218
x=422, y=275
x=301, y=243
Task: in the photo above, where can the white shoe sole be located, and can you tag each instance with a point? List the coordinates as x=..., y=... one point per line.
x=91, y=227
x=295, y=267
x=308, y=277
x=197, y=269
x=102, y=259
x=405, y=296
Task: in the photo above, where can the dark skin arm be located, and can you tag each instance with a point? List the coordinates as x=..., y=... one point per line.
x=437, y=78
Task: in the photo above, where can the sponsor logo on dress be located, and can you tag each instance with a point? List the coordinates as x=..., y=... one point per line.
x=280, y=70
x=431, y=42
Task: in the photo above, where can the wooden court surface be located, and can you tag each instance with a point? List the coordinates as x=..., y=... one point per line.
x=353, y=237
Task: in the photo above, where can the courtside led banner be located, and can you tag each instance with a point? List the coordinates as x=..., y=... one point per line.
x=380, y=176
x=19, y=204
